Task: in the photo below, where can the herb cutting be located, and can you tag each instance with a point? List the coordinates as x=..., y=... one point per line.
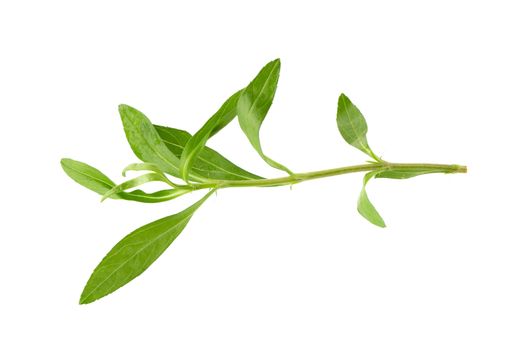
x=167, y=153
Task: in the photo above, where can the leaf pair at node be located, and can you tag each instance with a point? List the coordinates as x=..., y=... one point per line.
x=166, y=150
x=184, y=164
x=352, y=126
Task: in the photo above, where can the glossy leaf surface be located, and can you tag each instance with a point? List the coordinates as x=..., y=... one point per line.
x=87, y=176
x=154, y=197
x=146, y=142
x=142, y=179
x=143, y=167
x=96, y=181
x=352, y=125
x=404, y=174
x=254, y=103
x=196, y=143
x=208, y=163
x=135, y=253
x=365, y=207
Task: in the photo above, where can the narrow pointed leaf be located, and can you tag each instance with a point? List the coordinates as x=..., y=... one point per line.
x=228, y=114
x=142, y=167
x=96, y=181
x=208, y=163
x=148, y=167
x=196, y=143
x=154, y=197
x=142, y=179
x=254, y=103
x=146, y=142
x=404, y=174
x=87, y=176
x=352, y=125
x=365, y=207
x=135, y=253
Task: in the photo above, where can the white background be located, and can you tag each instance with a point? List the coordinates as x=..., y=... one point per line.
x=269, y=268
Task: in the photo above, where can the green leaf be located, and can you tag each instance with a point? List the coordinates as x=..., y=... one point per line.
x=229, y=113
x=146, y=142
x=135, y=253
x=404, y=174
x=219, y=120
x=365, y=207
x=142, y=179
x=96, y=181
x=352, y=125
x=155, y=197
x=87, y=176
x=142, y=167
x=254, y=103
x=208, y=163
x=149, y=167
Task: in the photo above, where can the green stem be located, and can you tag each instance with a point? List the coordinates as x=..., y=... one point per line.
x=300, y=177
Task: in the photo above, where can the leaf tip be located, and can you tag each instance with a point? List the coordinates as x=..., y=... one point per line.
x=125, y=110
x=373, y=218
x=122, y=107
x=67, y=161
x=343, y=97
x=86, y=298
x=64, y=162
x=122, y=110
x=67, y=164
x=276, y=63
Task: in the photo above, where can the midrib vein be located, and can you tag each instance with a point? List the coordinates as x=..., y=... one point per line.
x=185, y=220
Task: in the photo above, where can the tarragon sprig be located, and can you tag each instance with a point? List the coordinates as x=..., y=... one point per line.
x=167, y=152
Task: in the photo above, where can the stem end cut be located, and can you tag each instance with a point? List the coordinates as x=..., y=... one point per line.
x=461, y=169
